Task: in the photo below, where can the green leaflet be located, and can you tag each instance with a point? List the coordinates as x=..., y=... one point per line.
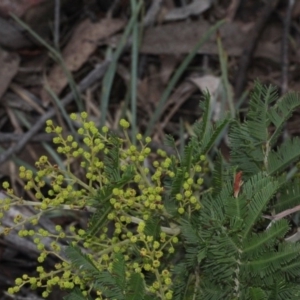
x=284, y=156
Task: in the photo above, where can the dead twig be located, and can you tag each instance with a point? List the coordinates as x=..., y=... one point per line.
x=232, y=9
x=90, y=79
x=247, y=54
x=152, y=13
x=283, y=213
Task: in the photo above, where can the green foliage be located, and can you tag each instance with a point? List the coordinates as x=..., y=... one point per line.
x=252, y=141
x=76, y=294
x=243, y=254
x=177, y=230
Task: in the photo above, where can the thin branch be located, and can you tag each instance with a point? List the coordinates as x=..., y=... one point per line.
x=152, y=13
x=283, y=213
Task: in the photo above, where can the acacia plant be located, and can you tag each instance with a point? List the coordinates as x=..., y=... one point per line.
x=172, y=229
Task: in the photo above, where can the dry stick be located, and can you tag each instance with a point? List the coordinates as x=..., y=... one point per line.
x=90, y=79
x=113, y=8
x=232, y=9
x=248, y=51
x=285, y=47
x=152, y=13
x=283, y=213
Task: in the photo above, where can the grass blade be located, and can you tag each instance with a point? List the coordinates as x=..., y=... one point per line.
x=110, y=74
x=177, y=76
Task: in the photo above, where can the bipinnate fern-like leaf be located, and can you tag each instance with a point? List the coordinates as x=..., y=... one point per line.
x=218, y=174
x=180, y=283
x=76, y=294
x=170, y=141
x=257, y=120
x=270, y=263
x=187, y=157
x=101, y=200
x=284, y=156
x=292, y=270
x=206, y=133
x=252, y=139
x=177, y=182
x=107, y=284
x=259, y=199
x=235, y=254
x=118, y=270
x=112, y=284
x=81, y=261
x=281, y=112
x=173, y=187
x=98, y=219
x=289, y=196
x=212, y=134
x=112, y=160
x=256, y=293
x=189, y=232
x=192, y=243
x=152, y=227
x=136, y=288
x=201, y=127
x=245, y=151
x=241, y=255
x=283, y=290
x=211, y=291
x=259, y=243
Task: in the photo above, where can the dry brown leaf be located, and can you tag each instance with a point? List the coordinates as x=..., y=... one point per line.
x=17, y=7
x=181, y=38
x=168, y=65
x=82, y=44
x=195, y=8
x=11, y=35
x=212, y=84
x=208, y=83
x=181, y=94
x=9, y=65
x=150, y=89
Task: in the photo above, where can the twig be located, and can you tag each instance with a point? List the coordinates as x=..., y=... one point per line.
x=232, y=9
x=283, y=213
x=285, y=47
x=152, y=13
x=250, y=47
x=90, y=79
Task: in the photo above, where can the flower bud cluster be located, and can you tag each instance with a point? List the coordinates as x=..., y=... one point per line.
x=132, y=205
